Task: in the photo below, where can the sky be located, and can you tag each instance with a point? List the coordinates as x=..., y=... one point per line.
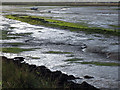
x=59, y=0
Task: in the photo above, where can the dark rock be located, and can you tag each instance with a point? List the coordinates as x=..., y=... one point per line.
x=34, y=8
x=49, y=11
x=83, y=46
x=19, y=58
x=88, y=77
x=71, y=77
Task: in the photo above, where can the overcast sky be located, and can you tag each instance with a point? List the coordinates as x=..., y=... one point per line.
x=59, y=0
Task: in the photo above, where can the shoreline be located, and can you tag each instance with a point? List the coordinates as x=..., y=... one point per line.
x=43, y=73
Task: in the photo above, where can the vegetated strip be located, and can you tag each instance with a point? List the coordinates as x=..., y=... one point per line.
x=101, y=63
x=15, y=50
x=37, y=20
x=57, y=52
x=5, y=35
x=74, y=59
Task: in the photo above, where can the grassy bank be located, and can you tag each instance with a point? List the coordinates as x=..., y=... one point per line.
x=35, y=20
x=21, y=75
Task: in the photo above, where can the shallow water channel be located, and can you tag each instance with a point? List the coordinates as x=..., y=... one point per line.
x=65, y=50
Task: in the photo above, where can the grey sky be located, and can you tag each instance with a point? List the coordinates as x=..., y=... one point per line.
x=59, y=0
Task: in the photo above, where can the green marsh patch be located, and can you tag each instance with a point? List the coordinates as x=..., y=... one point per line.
x=21, y=34
x=5, y=35
x=37, y=20
x=70, y=55
x=14, y=50
x=101, y=63
x=74, y=59
x=14, y=76
x=57, y=52
x=115, y=26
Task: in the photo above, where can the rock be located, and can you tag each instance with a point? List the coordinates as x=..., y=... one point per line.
x=88, y=77
x=19, y=58
x=49, y=11
x=71, y=77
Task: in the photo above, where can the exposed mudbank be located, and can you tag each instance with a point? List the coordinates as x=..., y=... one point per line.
x=42, y=72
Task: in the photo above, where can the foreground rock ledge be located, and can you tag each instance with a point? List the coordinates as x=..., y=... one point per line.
x=56, y=75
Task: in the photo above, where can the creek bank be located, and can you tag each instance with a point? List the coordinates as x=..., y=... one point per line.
x=43, y=72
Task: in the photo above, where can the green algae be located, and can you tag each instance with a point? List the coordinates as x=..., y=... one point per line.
x=74, y=59
x=57, y=52
x=14, y=50
x=70, y=55
x=6, y=36
x=101, y=63
x=21, y=34
x=37, y=20
x=115, y=26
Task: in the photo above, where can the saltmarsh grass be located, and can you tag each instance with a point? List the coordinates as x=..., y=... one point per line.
x=20, y=77
x=101, y=63
x=14, y=50
x=57, y=52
